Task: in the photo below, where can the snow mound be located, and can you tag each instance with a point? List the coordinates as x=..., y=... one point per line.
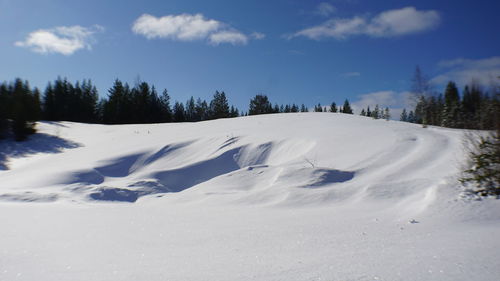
x=275, y=159
x=307, y=196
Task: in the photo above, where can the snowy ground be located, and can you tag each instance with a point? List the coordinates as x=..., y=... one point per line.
x=312, y=196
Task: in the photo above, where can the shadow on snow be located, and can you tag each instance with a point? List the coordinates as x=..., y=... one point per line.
x=37, y=143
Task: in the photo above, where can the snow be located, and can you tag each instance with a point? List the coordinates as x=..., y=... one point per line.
x=306, y=196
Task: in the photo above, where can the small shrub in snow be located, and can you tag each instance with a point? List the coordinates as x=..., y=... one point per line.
x=484, y=174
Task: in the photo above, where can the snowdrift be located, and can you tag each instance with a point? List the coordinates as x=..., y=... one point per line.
x=304, y=196
x=274, y=159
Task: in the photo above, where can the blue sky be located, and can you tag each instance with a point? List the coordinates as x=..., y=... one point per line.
x=291, y=50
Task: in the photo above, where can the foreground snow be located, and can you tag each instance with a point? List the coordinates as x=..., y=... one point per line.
x=276, y=197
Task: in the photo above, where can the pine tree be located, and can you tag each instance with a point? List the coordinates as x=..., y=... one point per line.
x=260, y=105
x=167, y=115
x=333, y=107
x=451, y=106
x=219, y=107
x=411, y=117
x=22, y=104
x=404, y=116
x=117, y=108
x=376, y=112
x=276, y=108
x=347, y=107
x=387, y=114
x=485, y=160
x=179, y=113
x=4, y=110
x=201, y=109
x=233, y=112
x=191, y=110
x=363, y=112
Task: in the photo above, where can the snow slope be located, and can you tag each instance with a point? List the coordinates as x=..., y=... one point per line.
x=309, y=196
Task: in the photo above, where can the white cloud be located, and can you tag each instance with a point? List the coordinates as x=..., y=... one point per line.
x=336, y=28
x=187, y=27
x=64, y=40
x=395, y=101
x=257, y=35
x=182, y=27
x=386, y=24
x=231, y=37
x=403, y=21
x=462, y=71
x=325, y=9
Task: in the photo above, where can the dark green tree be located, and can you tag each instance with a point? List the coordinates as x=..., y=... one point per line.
x=347, y=107
x=451, y=106
x=404, y=116
x=333, y=107
x=166, y=109
x=260, y=105
x=179, y=113
x=219, y=107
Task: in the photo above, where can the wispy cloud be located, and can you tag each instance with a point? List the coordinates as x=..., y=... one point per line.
x=462, y=71
x=64, y=40
x=325, y=9
x=231, y=37
x=257, y=35
x=390, y=23
x=187, y=27
x=395, y=101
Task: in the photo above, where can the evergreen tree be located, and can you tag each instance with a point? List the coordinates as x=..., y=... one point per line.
x=191, y=110
x=88, y=103
x=347, y=107
x=411, y=117
x=368, y=112
x=48, y=108
x=485, y=162
x=201, y=109
x=165, y=107
x=117, y=109
x=318, y=108
x=363, y=112
x=179, y=113
x=4, y=110
x=333, y=107
x=404, y=116
x=233, y=112
x=260, y=105
x=276, y=108
x=451, y=106
x=303, y=108
x=219, y=107
x=386, y=115
x=376, y=112
x=22, y=106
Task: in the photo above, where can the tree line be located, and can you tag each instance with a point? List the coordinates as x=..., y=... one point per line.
x=474, y=108
x=21, y=106
x=260, y=104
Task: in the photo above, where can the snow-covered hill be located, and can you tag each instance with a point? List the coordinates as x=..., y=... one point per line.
x=309, y=196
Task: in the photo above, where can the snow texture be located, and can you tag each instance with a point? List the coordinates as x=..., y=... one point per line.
x=306, y=196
